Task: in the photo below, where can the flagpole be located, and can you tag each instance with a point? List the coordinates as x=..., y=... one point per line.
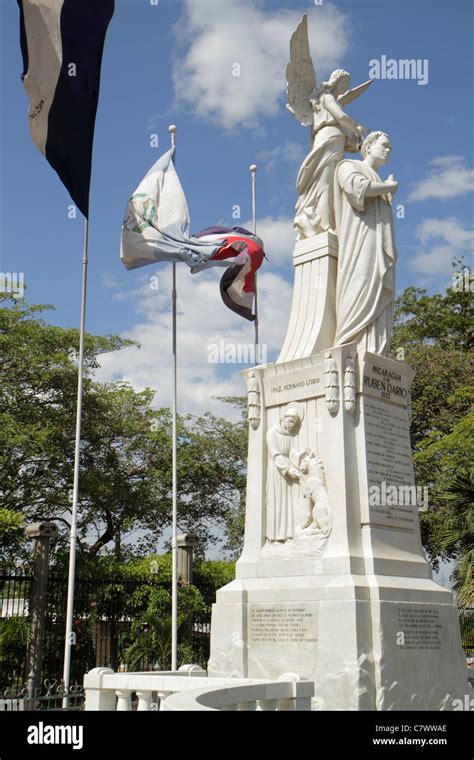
x=253, y=171
x=174, y=539
x=75, y=492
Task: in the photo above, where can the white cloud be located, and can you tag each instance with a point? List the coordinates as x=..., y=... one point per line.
x=448, y=229
x=448, y=177
x=434, y=263
x=151, y=123
x=202, y=319
x=220, y=34
x=448, y=239
x=289, y=152
x=108, y=280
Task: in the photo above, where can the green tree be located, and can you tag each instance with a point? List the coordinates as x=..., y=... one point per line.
x=125, y=474
x=149, y=640
x=14, y=634
x=222, y=447
x=38, y=381
x=434, y=335
x=445, y=319
x=11, y=534
x=453, y=533
x=139, y=590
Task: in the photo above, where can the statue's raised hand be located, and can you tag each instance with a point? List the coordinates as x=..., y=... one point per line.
x=392, y=187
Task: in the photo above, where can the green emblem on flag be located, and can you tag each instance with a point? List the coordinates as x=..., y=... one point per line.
x=141, y=213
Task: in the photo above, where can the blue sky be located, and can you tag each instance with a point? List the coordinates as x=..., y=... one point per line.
x=173, y=63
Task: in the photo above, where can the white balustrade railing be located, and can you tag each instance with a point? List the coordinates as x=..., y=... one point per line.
x=189, y=688
x=263, y=695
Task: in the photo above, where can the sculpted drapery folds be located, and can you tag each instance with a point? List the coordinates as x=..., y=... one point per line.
x=365, y=288
x=346, y=196
x=332, y=130
x=282, y=473
x=333, y=133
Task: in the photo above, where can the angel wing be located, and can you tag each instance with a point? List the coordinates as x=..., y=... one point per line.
x=350, y=95
x=300, y=75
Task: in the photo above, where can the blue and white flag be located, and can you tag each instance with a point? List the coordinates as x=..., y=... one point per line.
x=62, y=43
x=157, y=228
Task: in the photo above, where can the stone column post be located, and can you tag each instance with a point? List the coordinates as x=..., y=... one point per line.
x=186, y=543
x=41, y=533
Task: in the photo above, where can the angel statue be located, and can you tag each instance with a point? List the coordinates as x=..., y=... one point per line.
x=332, y=130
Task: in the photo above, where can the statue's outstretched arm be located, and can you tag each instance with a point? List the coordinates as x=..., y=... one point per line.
x=381, y=188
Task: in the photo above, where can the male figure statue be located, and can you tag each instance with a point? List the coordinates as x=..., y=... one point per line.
x=365, y=288
x=282, y=473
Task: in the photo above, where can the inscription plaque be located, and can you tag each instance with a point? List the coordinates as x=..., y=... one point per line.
x=389, y=464
x=386, y=382
x=419, y=628
x=294, y=386
x=282, y=623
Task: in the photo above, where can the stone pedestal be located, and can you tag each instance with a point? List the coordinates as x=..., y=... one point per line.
x=352, y=606
x=312, y=323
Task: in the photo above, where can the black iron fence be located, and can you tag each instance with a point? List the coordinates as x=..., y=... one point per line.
x=47, y=696
x=466, y=622
x=114, y=625
x=15, y=591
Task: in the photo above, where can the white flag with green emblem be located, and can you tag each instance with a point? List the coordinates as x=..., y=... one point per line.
x=156, y=224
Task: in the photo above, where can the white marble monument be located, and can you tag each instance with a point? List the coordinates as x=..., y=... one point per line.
x=332, y=583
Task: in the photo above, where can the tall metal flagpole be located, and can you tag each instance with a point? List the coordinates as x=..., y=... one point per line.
x=68, y=641
x=253, y=171
x=174, y=539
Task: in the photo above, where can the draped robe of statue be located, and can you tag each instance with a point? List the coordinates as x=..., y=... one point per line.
x=315, y=205
x=280, y=489
x=366, y=265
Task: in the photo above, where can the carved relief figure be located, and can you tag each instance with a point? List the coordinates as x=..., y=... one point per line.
x=365, y=286
x=332, y=130
x=313, y=479
x=282, y=473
